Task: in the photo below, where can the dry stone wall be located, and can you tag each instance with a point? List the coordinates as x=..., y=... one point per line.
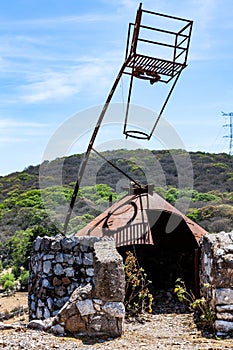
x=76, y=286
x=217, y=271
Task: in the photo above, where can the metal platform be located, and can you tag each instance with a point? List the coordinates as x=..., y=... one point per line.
x=151, y=68
x=145, y=59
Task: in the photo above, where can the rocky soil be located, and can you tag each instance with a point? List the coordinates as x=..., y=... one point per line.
x=160, y=331
x=170, y=327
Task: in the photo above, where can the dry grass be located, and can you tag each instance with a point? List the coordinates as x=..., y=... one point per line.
x=12, y=302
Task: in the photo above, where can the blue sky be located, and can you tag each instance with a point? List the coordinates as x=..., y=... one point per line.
x=59, y=57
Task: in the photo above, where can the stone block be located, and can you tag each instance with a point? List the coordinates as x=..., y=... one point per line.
x=60, y=302
x=55, y=245
x=90, y=272
x=69, y=259
x=217, y=260
x=88, y=259
x=95, y=324
x=56, y=281
x=59, y=257
x=46, y=313
x=81, y=293
x=75, y=324
x=50, y=303
x=36, y=324
x=224, y=308
x=106, y=325
x=66, y=281
x=67, y=311
x=58, y=329
x=60, y=291
x=47, y=265
x=58, y=270
x=108, y=262
x=48, y=257
x=78, y=260
x=114, y=309
x=224, y=316
x=36, y=244
x=224, y=296
x=39, y=313
x=85, y=307
x=69, y=272
x=40, y=303
x=45, y=244
x=67, y=244
x=46, y=283
x=223, y=326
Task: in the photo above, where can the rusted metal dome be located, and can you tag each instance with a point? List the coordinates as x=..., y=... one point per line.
x=138, y=217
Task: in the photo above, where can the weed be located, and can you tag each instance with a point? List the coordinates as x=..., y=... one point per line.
x=204, y=314
x=138, y=298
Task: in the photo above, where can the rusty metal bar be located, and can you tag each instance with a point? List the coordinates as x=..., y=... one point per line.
x=185, y=27
x=136, y=29
x=182, y=41
x=128, y=38
x=116, y=167
x=161, y=30
x=190, y=31
x=174, y=54
x=158, y=43
x=181, y=53
x=88, y=151
x=164, y=105
x=167, y=16
x=128, y=102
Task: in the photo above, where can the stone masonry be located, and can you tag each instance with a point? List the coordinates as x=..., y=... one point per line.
x=76, y=286
x=217, y=271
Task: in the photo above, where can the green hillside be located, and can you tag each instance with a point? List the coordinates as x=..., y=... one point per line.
x=24, y=215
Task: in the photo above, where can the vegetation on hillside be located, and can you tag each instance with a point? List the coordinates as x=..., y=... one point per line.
x=28, y=209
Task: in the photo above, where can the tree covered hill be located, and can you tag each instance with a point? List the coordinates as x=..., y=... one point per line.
x=23, y=215
x=211, y=172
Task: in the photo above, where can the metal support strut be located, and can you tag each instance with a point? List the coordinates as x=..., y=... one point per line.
x=89, y=148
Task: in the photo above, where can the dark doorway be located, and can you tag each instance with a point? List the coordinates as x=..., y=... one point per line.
x=173, y=254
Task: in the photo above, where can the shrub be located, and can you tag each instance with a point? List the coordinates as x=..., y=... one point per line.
x=8, y=282
x=138, y=298
x=7, y=277
x=23, y=278
x=9, y=286
x=205, y=315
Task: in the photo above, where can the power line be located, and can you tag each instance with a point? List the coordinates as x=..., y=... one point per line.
x=229, y=125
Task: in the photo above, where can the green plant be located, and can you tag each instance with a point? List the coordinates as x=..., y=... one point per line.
x=8, y=282
x=23, y=278
x=138, y=298
x=204, y=313
x=7, y=277
x=9, y=286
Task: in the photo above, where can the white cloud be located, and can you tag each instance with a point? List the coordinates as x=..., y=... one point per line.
x=7, y=123
x=129, y=4
x=8, y=139
x=93, y=76
x=53, y=22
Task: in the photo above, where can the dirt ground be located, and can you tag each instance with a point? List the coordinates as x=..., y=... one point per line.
x=13, y=302
x=162, y=330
